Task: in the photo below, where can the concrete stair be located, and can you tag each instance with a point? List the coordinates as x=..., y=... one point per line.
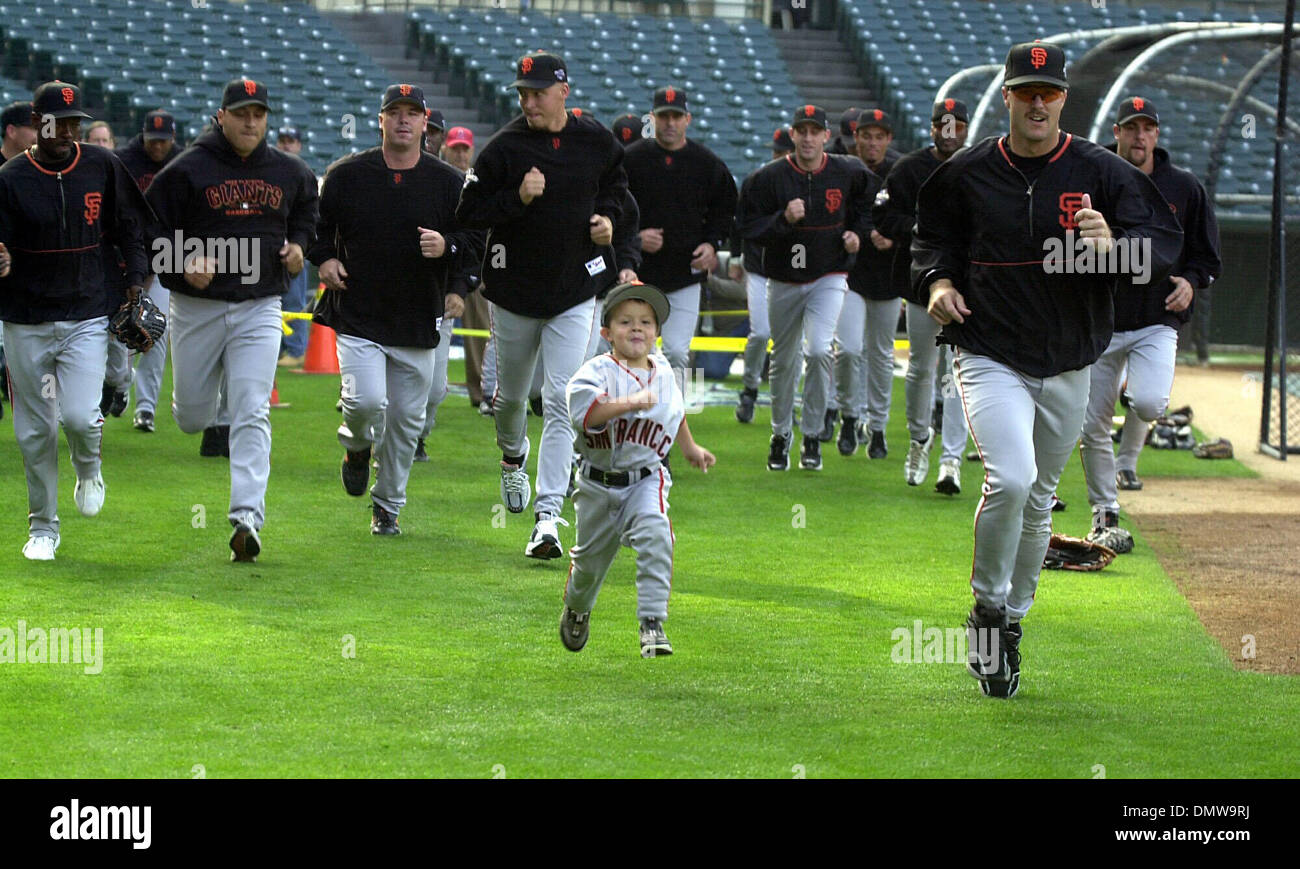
x=824, y=72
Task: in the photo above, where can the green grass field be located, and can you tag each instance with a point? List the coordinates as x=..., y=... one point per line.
x=782, y=630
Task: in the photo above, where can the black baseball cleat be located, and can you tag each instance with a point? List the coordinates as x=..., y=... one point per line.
x=118, y=405
x=575, y=628
x=355, y=471
x=1010, y=640
x=828, y=427
x=143, y=420
x=382, y=522
x=810, y=454
x=877, y=448
x=778, y=453
x=535, y=405
x=986, y=653
x=216, y=441
x=936, y=419
x=245, y=545
x=745, y=405
x=1058, y=506
x=420, y=454
x=106, y=400
x=654, y=642
x=848, y=442
x=1128, y=481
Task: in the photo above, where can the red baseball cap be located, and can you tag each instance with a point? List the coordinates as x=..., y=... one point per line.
x=459, y=136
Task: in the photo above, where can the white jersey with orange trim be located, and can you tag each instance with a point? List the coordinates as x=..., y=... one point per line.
x=634, y=440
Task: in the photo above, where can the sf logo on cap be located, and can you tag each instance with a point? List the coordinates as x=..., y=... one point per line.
x=948, y=104
x=68, y=95
x=157, y=122
x=526, y=65
x=1038, y=57
x=670, y=95
x=809, y=111
x=406, y=91
x=250, y=87
x=1138, y=103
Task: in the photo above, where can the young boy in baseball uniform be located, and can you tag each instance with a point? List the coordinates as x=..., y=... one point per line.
x=626, y=409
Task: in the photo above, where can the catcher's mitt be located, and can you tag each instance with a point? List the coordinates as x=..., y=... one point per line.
x=138, y=324
x=1074, y=553
x=1216, y=449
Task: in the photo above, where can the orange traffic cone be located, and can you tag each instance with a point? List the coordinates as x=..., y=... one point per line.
x=275, y=396
x=322, y=351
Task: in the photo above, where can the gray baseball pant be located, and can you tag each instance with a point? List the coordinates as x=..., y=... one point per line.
x=1025, y=428
x=117, y=368
x=1149, y=355
x=385, y=391
x=57, y=372
x=437, y=393
x=228, y=350
x=760, y=332
x=864, y=365
x=489, y=376
x=955, y=431
x=922, y=367
x=678, y=330
x=803, y=318
x=149, y=367
x=612, y=516
x=562, y=343
x=596, y=344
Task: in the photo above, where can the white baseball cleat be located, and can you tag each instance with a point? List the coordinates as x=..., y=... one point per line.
x=949, y=482
x=40, y=548
x=545, y=540
x=917, y=467
x=89, y=495
x=515, y=489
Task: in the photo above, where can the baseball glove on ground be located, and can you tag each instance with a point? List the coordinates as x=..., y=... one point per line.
x=1216, y=449
x=138, y=324
x=1074, y=553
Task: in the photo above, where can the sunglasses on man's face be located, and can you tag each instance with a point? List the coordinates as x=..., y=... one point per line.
x=1048, y=93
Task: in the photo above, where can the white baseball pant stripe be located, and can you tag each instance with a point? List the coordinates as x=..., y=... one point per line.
x=803, y=318
x=864, y=365
x=562, y=343
x=385, y=390
x=117, y=368
x=225, y=352
x=56, y=371
x=437, y=393
x=678, y=330
x=613, y=516
x=149, y=367
x=760, y=332
x=955, y=433
x=1025, y=428
x=1149, y=355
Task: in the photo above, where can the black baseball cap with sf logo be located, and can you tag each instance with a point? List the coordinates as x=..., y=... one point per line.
x=809, y=115
x=670, y=99
x=539, y=70
x=58, y=99
x=1035, y=63
x=245, y=92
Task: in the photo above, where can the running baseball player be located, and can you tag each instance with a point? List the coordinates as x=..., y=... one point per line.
x=117, y=371
x=389, y=250
x=627, y=409
x=60, y=203
x=809, y=213
x=549, y=187
x=1147, y=319
x=895, y=214
x=18, y=135
x=864, y=361
x=144, y=157
x=687, y=200
x=252, y=211
x=748, y=256
x=1025, y=328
